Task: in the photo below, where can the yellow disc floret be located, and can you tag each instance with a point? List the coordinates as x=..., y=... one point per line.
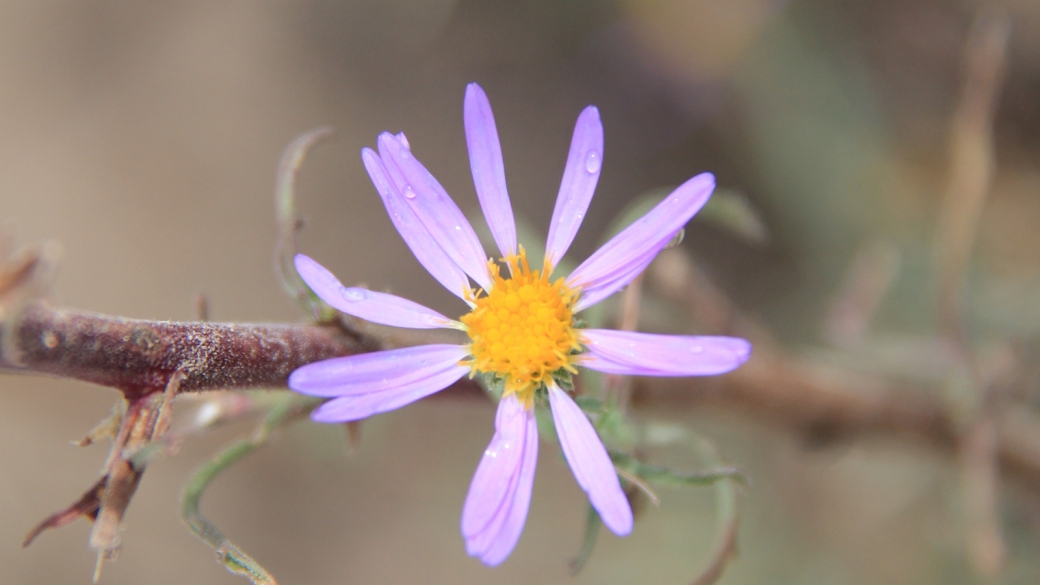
x=522, y=331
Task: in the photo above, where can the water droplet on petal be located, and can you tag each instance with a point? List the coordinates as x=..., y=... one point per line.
x=458, y=228
x=676, y=239
x=354, y=294
x=592, y=162
x=409, y=193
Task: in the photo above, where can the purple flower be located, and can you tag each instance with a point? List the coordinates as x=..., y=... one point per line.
x=521, y=325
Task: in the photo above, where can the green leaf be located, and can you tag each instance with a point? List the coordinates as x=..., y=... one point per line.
x=288, y=224
x=588, y=542
x=732, y=212
x=590, y=404
x=287, y=407
x=666, y=477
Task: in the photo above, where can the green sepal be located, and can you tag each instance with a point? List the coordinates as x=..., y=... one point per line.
x=564, y=379
x=494, y=385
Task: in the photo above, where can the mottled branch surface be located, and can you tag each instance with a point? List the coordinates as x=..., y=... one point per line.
x=138, y=356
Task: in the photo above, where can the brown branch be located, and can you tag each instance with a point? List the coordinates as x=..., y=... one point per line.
x=821, y=402
x=138, y=357
x=827, y=404
x=972, y=163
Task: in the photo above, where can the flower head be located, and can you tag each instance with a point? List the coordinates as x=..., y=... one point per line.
x=521, y=325
x=522, y=330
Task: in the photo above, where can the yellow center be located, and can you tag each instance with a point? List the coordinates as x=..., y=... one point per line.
x=522, y=330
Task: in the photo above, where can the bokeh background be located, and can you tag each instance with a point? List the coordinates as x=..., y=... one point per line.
x=144, y=136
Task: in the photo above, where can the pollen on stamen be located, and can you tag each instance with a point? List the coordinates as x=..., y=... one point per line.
x=522, y=331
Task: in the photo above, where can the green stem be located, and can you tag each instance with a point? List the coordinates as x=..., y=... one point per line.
x=233, y=558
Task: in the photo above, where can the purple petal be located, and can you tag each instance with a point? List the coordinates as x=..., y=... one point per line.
x=499, y=464
x=646, y=354
x=373, y=306
x=377, y=371
x=426, y=250
x=507, y=539
x=357, y=407
x=489, y=175
x=627, y=254
x=590, y=463
x=438, y=213
x=579, y=182
x=496, y=506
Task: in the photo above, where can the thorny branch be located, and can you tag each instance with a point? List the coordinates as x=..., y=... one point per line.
x=151, y=362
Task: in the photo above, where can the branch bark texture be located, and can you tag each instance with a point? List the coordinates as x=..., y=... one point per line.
x=138, y=357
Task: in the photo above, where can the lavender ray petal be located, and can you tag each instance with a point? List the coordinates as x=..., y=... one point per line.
x=615, y=264
x=647, y=354
x=489, y=175
x=580, y=176
x=509, y=534
x=612, y=283
x=443, y=220
x=377, y=307
x=357, y=407
x=375, y=372
x=590, y=462
x=500, y=463
x=415, y=235
x=481, y=543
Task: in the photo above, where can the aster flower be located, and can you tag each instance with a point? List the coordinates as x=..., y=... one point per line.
x=523, y=335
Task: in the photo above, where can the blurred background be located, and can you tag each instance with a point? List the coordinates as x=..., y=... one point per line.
x=144, y=138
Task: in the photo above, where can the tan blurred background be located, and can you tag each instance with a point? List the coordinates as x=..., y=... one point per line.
x=144, y=136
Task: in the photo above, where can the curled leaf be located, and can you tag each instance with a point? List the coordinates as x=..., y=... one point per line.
x=289, y=223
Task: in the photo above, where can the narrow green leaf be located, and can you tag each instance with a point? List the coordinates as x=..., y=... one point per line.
x=288, y=407
x=288, y=224
x=588, y=542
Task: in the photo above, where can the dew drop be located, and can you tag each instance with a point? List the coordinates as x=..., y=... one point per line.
x=409, y=193
x=354, y=294
x=676, y=239
x=592, y=162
